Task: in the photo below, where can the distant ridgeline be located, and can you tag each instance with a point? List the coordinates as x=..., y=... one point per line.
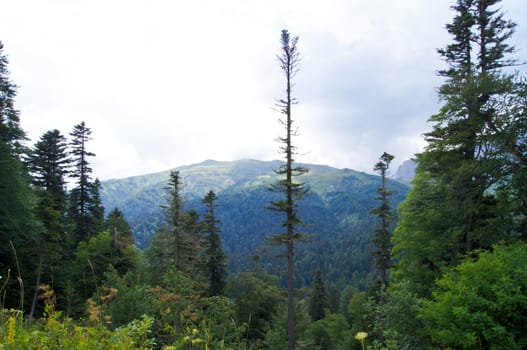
x=336, y=213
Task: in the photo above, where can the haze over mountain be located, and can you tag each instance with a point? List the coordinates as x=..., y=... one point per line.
x=336, y=212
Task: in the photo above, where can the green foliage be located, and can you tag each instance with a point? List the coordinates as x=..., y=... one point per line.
x=358, y=315
x=215, y=259
x=337, y=207
x=330, y=333
x=19, y=227
x=55, y=332
x=482, y=302
x=257, y=300
x=319, y=300
x=93, y=259
x=133, y=300
x=462, y=198
x=396, y=320
x=116, y=224
x=84, y=201
x=11, y=134
x=177, y=242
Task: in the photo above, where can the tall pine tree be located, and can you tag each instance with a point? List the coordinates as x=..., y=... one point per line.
x=382, y=236
x=49, y=163
x=176, y=244
x=291, y=190
x=215, y=261
x=319, y=300
x=18, y=225
x=461, y=198
x=81, y=195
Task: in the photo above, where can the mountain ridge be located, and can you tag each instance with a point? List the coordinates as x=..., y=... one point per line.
x=336, y=211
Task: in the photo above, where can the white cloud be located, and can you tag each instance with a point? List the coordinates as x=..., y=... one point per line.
x=167, y=83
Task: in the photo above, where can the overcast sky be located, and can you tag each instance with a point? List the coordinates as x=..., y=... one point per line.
x=169, y=83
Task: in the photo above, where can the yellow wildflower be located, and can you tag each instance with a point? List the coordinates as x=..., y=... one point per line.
x=360, y=336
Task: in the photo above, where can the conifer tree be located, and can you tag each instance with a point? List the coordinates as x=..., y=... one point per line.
x=96, y=208
x=118, y=226
x=81, y=195
x=291, y=190
x=11, y=133
x=382, y=236
x=48, y=163
x=462, y=198
x=176, y=244
x=319, y=301
x=18, y=225
x=175, y=225
x=215, y=261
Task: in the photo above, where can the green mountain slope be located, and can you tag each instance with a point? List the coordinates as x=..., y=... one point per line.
x=336, y=213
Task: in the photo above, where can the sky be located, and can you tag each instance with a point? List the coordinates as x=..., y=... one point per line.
x=165, y=83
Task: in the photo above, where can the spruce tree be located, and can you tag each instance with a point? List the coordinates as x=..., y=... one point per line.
x=11, y=133
x=120, y=229
x=176, y=244
x=49, y=163
x=174, y=213
x=215, y=261
x=382, y=236
x=81, y=195
x=96, y=209
x=18, y=226
x=291, y=190
x=319, y=300
x=463, y=196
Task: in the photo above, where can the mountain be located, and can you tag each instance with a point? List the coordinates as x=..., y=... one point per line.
x=336, y=212
x=406, y=171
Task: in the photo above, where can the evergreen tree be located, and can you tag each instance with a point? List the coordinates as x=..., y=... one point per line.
x=382, y=236
x=18, y=225
x=117, y=225
x=175, y=225
x=215, y=261
x=190, y=243
x=48, y=163
x=176, y=244
x=292, y=191
x=96, y=209
x=81, y=195
x=319, y=301
x=11, y=133
x=462, y=198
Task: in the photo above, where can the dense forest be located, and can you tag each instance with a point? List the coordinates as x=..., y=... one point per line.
x=444, y=269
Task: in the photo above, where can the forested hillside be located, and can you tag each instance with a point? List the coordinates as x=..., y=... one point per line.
x=336, y=213
x=346, y=270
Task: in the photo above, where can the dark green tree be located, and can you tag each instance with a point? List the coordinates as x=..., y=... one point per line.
x=382, y=236
x=174, y=213
x=48, y=163
x=18, y=226
x=481, y=303
x=319, y=300
x=93, y=258
x=176, y=244
x=462, y=198
x=11, y=133
x=117, y=225
x=257, y=300
x=81, y=195
x=215, y=260
x=291, y=190
x=191, y=243
x=96, y=209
